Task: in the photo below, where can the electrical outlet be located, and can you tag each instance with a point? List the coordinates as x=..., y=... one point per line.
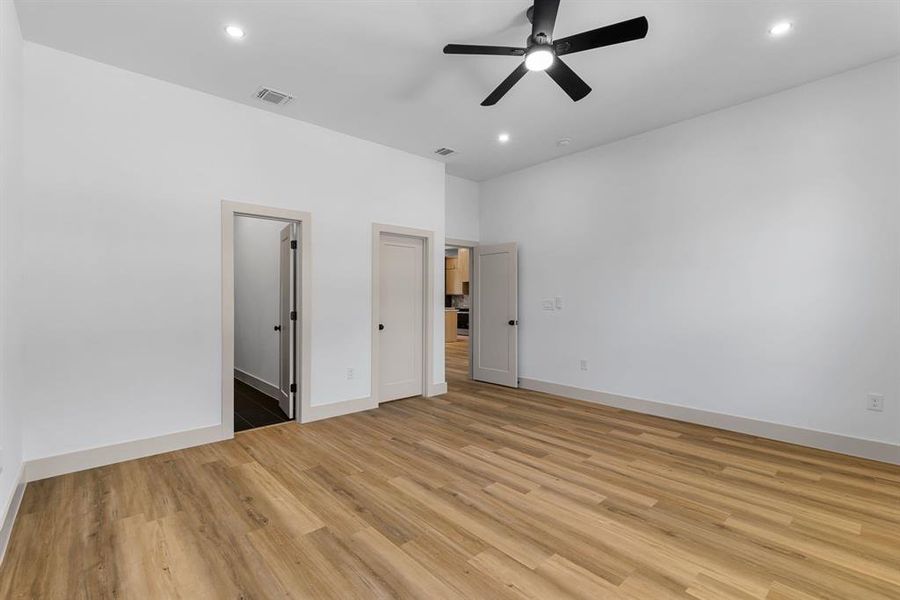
x=584, y=365
x=349, y=373
x=876, y=402
x=547, y=304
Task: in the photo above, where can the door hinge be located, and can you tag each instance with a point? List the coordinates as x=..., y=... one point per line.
x=293, y=387
x=293, y=244
x=293, y=315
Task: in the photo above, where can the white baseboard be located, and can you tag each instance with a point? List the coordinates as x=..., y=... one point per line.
x=823, y=440
x=71, y=462
x=256, y=383
x=337, y=409
x=11, y=511
x=436, y=389
x=61, y=464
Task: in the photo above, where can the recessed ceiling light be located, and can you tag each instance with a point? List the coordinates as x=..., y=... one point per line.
x=780, y=28
x=234, y=31
x=538, y=59
x=503, y=138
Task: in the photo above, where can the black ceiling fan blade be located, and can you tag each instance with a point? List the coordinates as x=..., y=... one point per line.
x=543, y=19
x=568, y=80
x=492, y=50
x=505, y=85
x=626, y=31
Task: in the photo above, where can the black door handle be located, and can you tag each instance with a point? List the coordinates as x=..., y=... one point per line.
x=380, y=326
x=513, y=323
x=278, y=328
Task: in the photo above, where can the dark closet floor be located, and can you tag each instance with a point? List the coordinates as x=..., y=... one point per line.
x=252, y=408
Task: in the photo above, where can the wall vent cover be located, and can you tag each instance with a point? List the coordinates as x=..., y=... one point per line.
x=445, y=151
x=273, y=96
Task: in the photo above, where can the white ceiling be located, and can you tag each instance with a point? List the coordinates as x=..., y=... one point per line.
x=374, y=69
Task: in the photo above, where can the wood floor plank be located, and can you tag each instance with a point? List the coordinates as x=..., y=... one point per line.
x=511, y=573
x=485, y=492
x=408, y=576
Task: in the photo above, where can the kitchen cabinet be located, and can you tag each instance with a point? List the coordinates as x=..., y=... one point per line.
x=463, y=265
x=450, y=318
x=456, y=273
x=452, y=277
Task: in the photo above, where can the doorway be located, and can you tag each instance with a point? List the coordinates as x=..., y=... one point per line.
x=265, y=345
x=401, y=325
x=265, y=309
x=402, y=313
x=458, y=322
x=481, y=313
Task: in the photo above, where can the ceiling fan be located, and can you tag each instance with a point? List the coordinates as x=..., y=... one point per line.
x=542, y=52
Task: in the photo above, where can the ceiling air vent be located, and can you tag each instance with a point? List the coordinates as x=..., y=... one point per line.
x=444, y=151
x=273, y=97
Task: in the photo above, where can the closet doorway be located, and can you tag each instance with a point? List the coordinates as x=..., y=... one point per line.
x=265, y=346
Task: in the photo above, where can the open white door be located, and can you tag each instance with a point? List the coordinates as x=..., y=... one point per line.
x=288, y=316
x=401, y=286
x=495, y=337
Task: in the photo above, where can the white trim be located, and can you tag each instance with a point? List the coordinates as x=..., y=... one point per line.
x=12, y=511
x=80, y=460
x=437, y=389
x=457, y=243
x=823, y=440
x=304, y=219
x=260, y=385
x=317, y=412
x=428, y=359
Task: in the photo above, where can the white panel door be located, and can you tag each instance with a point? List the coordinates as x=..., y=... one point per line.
x=495, y=336
x=401, y=289
x=288, y=317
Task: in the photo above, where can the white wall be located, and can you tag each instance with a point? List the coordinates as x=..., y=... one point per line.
x=461, y=208
x=11, y=192
x=744, y=262
x=124, y=177
x=257, y=247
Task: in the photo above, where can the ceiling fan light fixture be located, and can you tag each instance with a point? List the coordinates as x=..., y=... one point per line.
x=539, y=59
x=235, y=31
x=781, y=28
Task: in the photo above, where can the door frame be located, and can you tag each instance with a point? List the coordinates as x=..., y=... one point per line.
x=292, y=237
x=469, y=245
x=230, y=210
x=428, y=310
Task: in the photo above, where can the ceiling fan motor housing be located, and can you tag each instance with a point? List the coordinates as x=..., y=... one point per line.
x=538, y=40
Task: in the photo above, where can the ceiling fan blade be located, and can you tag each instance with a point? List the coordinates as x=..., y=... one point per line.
x=626, y=31
x=505, y=85
x=492, y=50
x=543, y=18
x=568, y=80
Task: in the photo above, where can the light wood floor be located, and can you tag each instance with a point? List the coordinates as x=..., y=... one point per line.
x=483, y=493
